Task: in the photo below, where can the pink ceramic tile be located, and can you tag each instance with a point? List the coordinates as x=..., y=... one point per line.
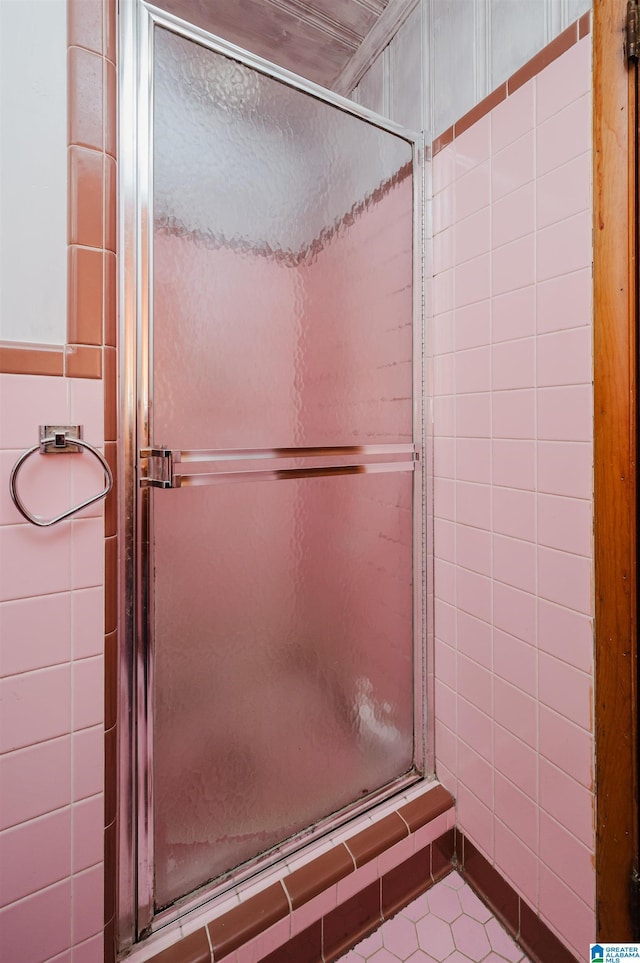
x=88, y=692
x=444, y=903
x=443, y=374
x=470, y=938
x=446, y=749
x=514, y=464
x=564, y=302
x=474, y=771
x=473, y=505
x=87, y=607
x=474, y=685
x=473, y=370
x=27, y=401
x=442, y=209
x=566, y=745
x=444, y=457
x=513, y=364
x=565, y=414
x=566, y=468
x=37, y=928
x=473, y=325
x=515, y=661
x=516, y=811
x=472, y=191
x=472, y=281
x=445, y=705
x=513, y=414
x=434, y=936
x=443, y=416
x=473, y=460
x=565, y=579
x=517, y=862
x=442, y=334
x=434, y=829
x=513, y=216
x=474, y=637
x=87, y=479
x=474, y=728
x=445, y=662
x=444, y=540
x=473, y=549
x=503, y=945
x=572, y=919
x=512, y=167
x=88, y=833
x=513, y=118
x=564, y=80
x=473, y=415
x=34, y=707
x=473, y=236
x=357, y=881
x=564, y=136
x=513, y=265
x=91, y=951
x=472, y=906
x=564, y=247
x=514, y=612
x=564, y=191
x=516, y=762
x=445, y=581
x=566, y=635
x=88, y=762
x=44, y=485
x=514, y=314
x=35, y=855
x=565, y=689
x=35, y=633
x=443, y=168
x=445, y=621
x=473, y=146
x=444, y=498
x=567, y=858
x=35, y=781
x=565, y=358
x=88, y=903
x=396, y=855
x=87, y=554
x=443, y=251
x=272, y=938
x=514, y=562
x=565, y=524
x=443, y=293
x=34, y=561
x=475, y=818
x=514, y=513
x=515, y=711
x=87, y=408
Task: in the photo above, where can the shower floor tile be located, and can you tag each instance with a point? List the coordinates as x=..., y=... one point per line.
x=448, y=923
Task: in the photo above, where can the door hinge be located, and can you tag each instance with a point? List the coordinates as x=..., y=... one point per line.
x=634, y=894
x=633, y=31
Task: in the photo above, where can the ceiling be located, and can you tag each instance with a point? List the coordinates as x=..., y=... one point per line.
x=331, y=42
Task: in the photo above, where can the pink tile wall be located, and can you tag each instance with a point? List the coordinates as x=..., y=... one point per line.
x=51, y=682
x=513, y=489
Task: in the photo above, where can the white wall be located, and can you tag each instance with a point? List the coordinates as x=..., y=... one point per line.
x=466, y=48
x=33, y=171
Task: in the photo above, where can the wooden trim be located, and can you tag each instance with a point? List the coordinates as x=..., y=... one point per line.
x=615, y=472
x=387, y=25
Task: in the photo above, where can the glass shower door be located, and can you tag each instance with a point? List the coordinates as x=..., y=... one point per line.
x=280, y=477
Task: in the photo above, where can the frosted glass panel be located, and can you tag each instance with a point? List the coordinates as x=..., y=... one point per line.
x=282, y=317
x=283, y=264
x=283, y=666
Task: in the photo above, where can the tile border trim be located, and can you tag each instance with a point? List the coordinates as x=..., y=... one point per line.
x=559, y=45
x=406, y=845
x=531, y=934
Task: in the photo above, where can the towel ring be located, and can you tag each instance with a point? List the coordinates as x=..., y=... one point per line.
x=61, y=441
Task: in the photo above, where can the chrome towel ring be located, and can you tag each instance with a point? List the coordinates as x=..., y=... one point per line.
x=58, y=440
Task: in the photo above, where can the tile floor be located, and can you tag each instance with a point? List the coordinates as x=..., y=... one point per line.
x=449, y=923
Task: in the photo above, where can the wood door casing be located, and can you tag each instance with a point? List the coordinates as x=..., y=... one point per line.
x=615, y=549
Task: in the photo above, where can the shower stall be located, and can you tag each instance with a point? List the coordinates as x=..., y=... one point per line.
x=273, y=659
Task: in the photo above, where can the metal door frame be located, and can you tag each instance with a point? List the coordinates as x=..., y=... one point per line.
x=135, y=750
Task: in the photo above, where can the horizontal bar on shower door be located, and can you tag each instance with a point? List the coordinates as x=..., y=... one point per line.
x=241, y=454
x=189, y=480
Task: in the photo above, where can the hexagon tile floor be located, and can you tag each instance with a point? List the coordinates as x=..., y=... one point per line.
x=447, y=923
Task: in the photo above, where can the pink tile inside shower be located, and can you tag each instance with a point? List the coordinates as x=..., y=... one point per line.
x=513, y=488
